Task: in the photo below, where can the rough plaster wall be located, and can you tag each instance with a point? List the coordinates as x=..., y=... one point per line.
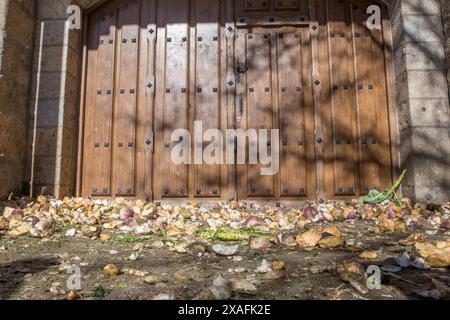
x=16, y=38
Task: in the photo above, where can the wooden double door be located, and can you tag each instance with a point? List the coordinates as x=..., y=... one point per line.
x=309, y=69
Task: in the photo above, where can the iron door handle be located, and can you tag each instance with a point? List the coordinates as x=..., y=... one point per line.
x=241, y=103
x=240, y=68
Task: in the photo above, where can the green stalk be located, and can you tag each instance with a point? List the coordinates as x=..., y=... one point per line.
x=397, y=184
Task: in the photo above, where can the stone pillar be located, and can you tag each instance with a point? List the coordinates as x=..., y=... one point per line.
x=53, y=125
x=16, y=38
x=423, y=98
x=446, y=21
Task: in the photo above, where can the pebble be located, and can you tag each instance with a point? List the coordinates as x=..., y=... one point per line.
x=222, y=250
x=153, y=279
x=403, y=261
x=71, y=233
x=264, y=267
x=391, y=268
x=420, y=264
x=111, y=270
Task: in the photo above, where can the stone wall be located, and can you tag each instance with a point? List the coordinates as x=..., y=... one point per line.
x=446, y=21
x=53, y=112
x=16, y=49
x=423, y=100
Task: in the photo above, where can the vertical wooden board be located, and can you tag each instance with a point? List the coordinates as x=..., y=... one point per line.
x=259, y=113
x=292, y=115
x=227, y=30
x=175, y=106
x=380, y=97
x=145, y=108
x=240, y=108
x=103, y=105
x=125, y=108
x=91, y=78
x=369, y=169
x=207, y=91
x=343, y=104
x=320, y=83
x=308, y=113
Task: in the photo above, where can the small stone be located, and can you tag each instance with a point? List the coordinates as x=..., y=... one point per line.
x=330, y=242
x=420, y=264
x=220, y=288
x=369, y=255
x=278, y=265
x=71, y=233
x=133, y=257
x=386, y=224
x=222, y=250
x=309, y=239
x=264, y=267
x=90, y=231
x=164, y=296
x=113, y=252
x=391, y=268
x=436, y=255
x=259, y=243
x=318, y=269
x=137, y=273
x=72, y=295
x=242, y=285
x=358, y=286
x=111, y=270
x=240, y=270
x=153, y=279
x=403, y=261
x=20, y=230
x=105, y=237
x=158, y=244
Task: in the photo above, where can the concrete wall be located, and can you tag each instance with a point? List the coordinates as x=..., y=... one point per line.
x=16, y=39
x=423, y=100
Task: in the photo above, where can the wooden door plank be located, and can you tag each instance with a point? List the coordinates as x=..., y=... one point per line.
x=207, y=92
x=260, y=113
x=175, y=106
x=91, y=70
x=292, y=115
x=146, y=91
x=307, y=71
x=343, y=103
x=103, y=107
x=124, y=144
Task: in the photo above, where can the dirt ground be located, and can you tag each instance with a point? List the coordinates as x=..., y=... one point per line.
x=33, y=268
